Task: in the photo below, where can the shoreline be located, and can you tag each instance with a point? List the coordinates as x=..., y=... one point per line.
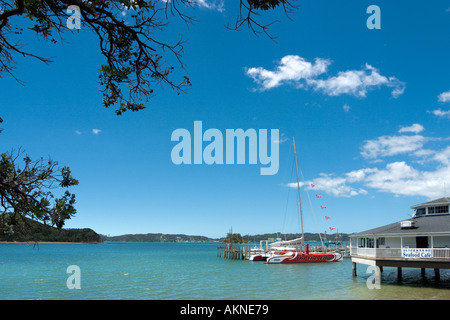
x=46, y=242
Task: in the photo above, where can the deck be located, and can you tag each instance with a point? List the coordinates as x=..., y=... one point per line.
x=423, y=258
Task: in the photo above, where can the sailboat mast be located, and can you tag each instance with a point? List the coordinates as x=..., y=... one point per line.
x=299, y=196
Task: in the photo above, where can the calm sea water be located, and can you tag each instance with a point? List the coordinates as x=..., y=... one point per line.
x=172, y=271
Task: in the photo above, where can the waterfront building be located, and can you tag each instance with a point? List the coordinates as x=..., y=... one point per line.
x=423, y=241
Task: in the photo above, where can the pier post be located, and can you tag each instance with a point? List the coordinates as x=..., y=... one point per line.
x=422, y=272
x=354, y=269
x=399, y=274
x=437, y=275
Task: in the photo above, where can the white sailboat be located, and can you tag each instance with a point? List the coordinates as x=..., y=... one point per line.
x=301, y=253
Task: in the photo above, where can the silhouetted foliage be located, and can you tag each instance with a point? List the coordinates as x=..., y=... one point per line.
x=234, y=238
x=33, y=231
x=133, y=45
x=26, y=191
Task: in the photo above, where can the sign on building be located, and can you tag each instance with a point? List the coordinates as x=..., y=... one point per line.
x=416, y=253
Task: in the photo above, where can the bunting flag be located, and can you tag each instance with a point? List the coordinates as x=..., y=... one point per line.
x=331, y=228
x=322, y=207
x=313, y=185
x=327, y=217
x=317, y=196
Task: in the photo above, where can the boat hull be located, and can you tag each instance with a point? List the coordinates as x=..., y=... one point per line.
x=258, y=257
x=304, y=257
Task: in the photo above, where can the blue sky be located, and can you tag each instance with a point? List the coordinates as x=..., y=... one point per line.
x=369, y=110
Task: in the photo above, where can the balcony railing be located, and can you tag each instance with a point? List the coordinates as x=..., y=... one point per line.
x=399, y=253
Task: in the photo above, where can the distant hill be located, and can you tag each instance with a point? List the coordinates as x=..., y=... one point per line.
x=35, y=231
x=39, y=232
x=157, y=237
x=237, y=238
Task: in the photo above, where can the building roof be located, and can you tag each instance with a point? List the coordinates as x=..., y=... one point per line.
x=427, y=224
x=441, y=201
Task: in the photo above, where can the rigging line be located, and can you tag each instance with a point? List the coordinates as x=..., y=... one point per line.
x=312, y=209
x=298, y=217
x=287, y=200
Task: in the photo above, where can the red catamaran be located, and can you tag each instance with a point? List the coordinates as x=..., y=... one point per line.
x=302, y=254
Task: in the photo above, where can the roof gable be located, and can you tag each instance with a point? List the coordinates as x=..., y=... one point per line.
x=441, y=201
x=423, y=225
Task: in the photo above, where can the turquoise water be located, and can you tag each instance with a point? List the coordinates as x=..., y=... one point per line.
x=175, y=271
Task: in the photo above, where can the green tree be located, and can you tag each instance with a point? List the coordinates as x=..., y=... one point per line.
x=234, y=238
x=27, y=191
x=135, y=49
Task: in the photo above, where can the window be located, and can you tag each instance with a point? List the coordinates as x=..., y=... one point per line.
x=440, y=209
x=366, y=242
x=361, y=242
x=420, y=211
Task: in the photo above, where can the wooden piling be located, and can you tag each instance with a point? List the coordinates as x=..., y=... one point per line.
x=437, y=276
x=232, y=253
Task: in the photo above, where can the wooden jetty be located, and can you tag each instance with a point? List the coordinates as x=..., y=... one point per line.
x=230, y=252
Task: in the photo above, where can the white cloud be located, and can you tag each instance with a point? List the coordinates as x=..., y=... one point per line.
x=423, y=152
x=415, y=128
x=401, y=179
x=444, y=96
x=441, y=113
x=357, y=83
x=93, y=131
x=399, y=87
x=296, y=70
x=391, y=145
x=290, y=69
x=210, y=4
x=218, y=5
x=394, y=173
x=443, y=156
x=330, y=184
x=282, y=139
x=358, y=175
x=397, y=177
x=346, y=108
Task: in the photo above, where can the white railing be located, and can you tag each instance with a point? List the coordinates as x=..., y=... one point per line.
x=441, y=253
x=436, y=253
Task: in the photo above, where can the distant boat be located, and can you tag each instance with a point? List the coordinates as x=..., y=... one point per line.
x=301, y=253
x=275, y=248
x=259, y=254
